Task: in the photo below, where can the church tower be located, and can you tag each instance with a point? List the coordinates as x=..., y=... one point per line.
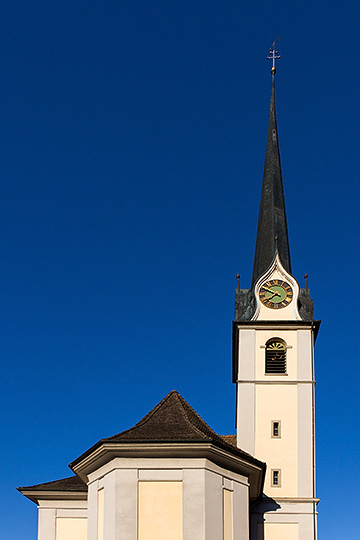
x=274, y=332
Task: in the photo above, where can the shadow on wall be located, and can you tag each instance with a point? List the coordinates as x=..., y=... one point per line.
x=257, y=512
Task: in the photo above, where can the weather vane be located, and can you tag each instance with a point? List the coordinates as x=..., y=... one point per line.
x=274, y=55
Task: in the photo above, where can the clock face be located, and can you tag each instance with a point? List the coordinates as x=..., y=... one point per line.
x=276, y=294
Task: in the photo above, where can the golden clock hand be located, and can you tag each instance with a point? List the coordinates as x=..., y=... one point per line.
x=267, y=289
x=274, y=294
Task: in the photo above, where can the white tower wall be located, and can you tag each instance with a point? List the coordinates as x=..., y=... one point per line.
x=289, y=400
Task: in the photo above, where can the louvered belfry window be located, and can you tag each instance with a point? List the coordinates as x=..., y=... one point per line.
x=275, y=356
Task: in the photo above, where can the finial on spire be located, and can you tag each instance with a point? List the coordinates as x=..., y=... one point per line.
x=274, y=55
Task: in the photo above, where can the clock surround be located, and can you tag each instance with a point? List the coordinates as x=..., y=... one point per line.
x=275, y=294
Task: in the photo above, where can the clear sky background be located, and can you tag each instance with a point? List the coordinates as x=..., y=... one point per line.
x=132, y=148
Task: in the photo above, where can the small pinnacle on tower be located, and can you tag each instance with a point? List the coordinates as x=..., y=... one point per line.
x=306, y=282
x=274, y=55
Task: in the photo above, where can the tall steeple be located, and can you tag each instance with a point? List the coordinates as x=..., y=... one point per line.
x=274, y=332
x=272, y=232
x=272, y=240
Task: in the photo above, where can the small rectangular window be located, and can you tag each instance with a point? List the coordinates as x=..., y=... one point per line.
x=276, y=429
x=275, y=478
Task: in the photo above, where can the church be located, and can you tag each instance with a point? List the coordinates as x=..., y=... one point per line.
x=171, y=477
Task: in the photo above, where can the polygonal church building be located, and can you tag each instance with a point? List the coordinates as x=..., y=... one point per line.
x=171, y=477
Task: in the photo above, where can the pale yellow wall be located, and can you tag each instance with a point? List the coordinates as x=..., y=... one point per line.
x=290, y=338
x=228, y=514
x=277, y=402
x=281, y=531
x=100, y=514
x=160, y=511
x=70, y=528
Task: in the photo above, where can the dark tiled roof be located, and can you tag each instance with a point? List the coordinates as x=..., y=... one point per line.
x=230, y=439
x=170, y=420
x=73, y=483
x=272, y=215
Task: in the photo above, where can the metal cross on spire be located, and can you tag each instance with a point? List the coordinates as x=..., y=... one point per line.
x=274, y=55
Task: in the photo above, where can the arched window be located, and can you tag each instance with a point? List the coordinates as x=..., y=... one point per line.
x=275, y=356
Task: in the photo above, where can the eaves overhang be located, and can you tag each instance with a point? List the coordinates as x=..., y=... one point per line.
x=232, y=459
x=36, y=495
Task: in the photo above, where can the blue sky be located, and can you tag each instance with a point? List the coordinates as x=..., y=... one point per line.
x=132, y=145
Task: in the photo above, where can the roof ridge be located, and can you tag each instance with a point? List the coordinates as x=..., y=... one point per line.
x=188, y=408
x=190, y=416
x=147, y=416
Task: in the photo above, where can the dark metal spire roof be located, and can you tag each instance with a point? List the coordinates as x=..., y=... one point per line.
x=272, y=233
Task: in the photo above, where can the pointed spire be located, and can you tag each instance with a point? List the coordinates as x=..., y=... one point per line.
x=272, y=215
